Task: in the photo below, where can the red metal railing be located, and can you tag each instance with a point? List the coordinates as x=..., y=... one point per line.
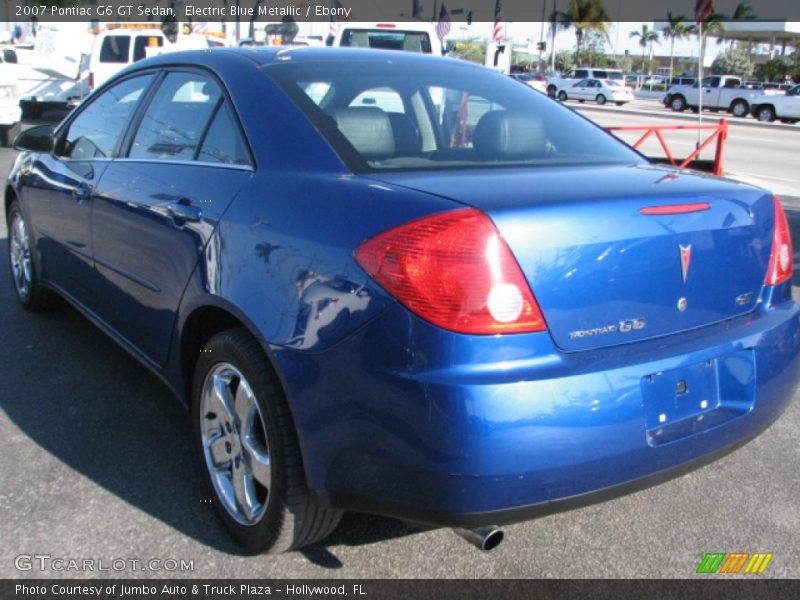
x=719, y=132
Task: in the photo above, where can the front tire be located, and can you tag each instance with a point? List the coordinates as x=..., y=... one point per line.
x=551, y=91
x=30, y=293
x=248, y=448
x=562, y=95
x=677, y=103
x=600, y=99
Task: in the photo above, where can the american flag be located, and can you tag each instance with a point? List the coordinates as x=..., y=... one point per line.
x=702, y=9
x=498, y=34
x=200, y=27
x=443, y=24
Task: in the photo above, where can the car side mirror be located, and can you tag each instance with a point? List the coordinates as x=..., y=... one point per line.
x=35, y=139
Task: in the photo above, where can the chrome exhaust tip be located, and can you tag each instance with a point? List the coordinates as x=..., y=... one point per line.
x=483, y=538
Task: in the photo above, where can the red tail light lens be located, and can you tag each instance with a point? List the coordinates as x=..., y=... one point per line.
x=91, y=80
x=781, y=259
x=455, y=271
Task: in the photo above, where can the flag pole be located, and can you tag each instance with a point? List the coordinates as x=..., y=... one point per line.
x=700, y=81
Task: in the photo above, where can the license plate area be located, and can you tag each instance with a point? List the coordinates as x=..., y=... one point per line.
x=684, y=401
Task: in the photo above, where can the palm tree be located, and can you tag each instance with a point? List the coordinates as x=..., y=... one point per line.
x=646, y=37
x=675, y=30
x=583, y=15
x=743, y=12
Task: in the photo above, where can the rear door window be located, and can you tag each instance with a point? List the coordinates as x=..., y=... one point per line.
x=115, y=49
x=223, y=143
x=145, y=41
x=176, y=118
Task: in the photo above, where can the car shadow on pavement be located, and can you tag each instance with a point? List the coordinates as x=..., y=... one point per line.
x=80, y=397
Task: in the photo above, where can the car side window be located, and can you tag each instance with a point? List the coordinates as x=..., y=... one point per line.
x=94, y=133
x=223, y=142
x=176, y=118
x=581, y=74
x=115, y=49
x=142, y=42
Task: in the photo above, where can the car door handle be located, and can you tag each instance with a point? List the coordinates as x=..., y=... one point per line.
x=184, y=211
x=82, y=192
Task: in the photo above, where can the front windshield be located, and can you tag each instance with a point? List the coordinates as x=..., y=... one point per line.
x=410, y=115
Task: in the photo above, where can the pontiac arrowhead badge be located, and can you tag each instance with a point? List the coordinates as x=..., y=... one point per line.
x=686, y=260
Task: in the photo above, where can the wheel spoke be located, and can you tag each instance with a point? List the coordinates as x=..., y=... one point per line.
x=244, y=491
x=245, y=406
x=221, y=399
x=220, y=451
x=258, y=459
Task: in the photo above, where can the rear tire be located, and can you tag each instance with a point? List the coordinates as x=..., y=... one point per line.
x=740, y=108
x=600, y=99
x=248, y=448
x=30, y=292
x=562, y=96
x=765, y=114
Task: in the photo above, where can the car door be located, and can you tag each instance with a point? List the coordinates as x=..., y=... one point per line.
x=579, y=90
x=186, y=158
x=59, y=188
x=711, y=91
x=791, y=104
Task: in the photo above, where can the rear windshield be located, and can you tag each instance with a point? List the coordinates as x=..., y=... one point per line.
x=387, y=39
x=386, y=115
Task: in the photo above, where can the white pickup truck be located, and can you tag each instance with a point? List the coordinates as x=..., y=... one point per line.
x=720, y=92
x=785, y=107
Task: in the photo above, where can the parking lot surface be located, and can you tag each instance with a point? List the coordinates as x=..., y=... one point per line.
x=97, y=463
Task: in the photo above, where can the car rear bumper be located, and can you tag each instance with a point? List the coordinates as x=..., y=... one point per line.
x=468, y=430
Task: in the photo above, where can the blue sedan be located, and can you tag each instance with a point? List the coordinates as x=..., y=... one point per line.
x=405, y=285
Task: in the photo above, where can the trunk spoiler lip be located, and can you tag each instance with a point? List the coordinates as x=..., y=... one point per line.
x=675, y=209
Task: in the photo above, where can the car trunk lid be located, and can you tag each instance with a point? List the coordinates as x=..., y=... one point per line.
x=604, y=270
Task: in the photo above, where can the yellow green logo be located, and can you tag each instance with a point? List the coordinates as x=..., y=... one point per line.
x=734, y=562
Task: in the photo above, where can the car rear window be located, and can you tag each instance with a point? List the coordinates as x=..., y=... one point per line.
x=419, y=115
x=410, y=41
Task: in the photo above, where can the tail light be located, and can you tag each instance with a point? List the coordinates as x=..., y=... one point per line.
x=91, y=80
x=781, y=259
x=454, y=270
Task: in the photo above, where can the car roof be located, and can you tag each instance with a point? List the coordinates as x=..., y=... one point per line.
x=266, y=55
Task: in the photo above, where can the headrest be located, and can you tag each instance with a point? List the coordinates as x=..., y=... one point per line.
x=406, y=135
x=368, y=129
x=505, y=134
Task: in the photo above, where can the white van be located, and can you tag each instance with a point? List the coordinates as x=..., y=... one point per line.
x=410, y=37
x=117, y=48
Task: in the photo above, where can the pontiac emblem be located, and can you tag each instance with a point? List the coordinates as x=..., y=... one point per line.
x=686, y=260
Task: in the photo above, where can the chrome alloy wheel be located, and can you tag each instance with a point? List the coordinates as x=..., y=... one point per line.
x=20, y=253
x=234, y=438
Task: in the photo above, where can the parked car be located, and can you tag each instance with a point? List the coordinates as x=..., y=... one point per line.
x=785, y=107
x=598, y=90
x=720, y=92
x=536, y=81
x=559, y=82
x=396, y=312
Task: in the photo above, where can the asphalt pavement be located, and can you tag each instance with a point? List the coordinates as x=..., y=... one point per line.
x=97, y=463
